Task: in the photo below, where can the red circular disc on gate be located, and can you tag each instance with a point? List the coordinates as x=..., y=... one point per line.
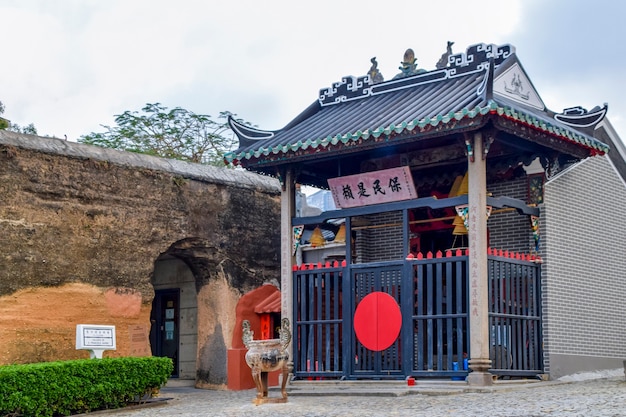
x=377, y=321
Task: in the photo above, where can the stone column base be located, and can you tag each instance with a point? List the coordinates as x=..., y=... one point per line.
x=480, y=375
x=480, y=379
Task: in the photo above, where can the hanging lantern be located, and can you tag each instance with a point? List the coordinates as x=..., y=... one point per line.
x=459, y=227
x=456, y=185
x=340, y=237
x=460, y=187
x=461, y=221
x=317, y=239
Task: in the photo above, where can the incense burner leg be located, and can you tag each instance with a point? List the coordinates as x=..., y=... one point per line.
x=287, y=367
x=256, y=377
x=264, y=384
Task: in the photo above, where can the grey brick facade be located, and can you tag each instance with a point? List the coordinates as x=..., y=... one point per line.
x=509, y=230
x=584, y=270
x=378, y=237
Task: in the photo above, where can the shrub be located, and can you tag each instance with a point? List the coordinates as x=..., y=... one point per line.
x=62, y=388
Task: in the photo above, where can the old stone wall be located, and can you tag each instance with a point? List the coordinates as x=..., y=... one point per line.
x=81, y=228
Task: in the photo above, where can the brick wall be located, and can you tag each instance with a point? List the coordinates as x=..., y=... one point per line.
x=508, y=229
x=584, y=271
x=379, y=237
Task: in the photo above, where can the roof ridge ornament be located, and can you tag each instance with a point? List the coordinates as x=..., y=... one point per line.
x=476, y=56
x=248, y=134
x=375, y=75
x=486, y=87
x=581, y=117
x=445, y=57
x=408, y=66
x=475, y=59
x=355, y=112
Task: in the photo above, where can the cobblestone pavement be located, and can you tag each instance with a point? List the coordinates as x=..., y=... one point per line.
x=598, y=397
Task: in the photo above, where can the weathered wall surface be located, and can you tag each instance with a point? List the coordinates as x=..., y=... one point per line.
x=78, y=222
x=38, y=324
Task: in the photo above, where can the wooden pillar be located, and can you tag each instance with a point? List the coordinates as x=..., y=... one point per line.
x=287, y=211
x=478, y=273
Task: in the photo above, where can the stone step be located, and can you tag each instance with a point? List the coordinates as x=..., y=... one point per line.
x=396, y=388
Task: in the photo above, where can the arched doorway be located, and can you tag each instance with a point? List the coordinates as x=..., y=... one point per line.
x=174, y=330
x=197, y=286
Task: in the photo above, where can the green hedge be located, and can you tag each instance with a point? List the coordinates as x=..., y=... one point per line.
x=62, y=388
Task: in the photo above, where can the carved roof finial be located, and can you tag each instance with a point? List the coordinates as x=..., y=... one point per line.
x=443, y=61
x=375, y=75
x=409, y=57
x=408, y=65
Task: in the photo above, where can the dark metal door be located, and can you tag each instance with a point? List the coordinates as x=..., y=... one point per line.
x=366, y=362
x=318, y=323
x=439, y=316
x=432, y=294
x=164, y=334
x=515, y=317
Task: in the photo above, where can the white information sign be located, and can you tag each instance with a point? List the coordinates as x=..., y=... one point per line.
x=95, y=338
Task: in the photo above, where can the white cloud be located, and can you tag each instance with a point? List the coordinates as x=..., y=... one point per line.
x=71, y=65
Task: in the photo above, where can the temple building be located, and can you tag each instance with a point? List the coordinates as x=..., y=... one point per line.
x=477, y=234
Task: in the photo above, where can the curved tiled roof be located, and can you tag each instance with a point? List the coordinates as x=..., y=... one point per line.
x=269, y=305
x=355, y=112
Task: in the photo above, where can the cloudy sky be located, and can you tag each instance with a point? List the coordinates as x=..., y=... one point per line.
x=69, y=66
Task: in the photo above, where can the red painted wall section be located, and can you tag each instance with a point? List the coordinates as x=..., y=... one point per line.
x=245, y=311
x=239, y=374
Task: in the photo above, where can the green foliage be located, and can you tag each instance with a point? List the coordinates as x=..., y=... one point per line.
x=62, y=388
x=176, y=134
x=5, y=124
x=30, y=129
